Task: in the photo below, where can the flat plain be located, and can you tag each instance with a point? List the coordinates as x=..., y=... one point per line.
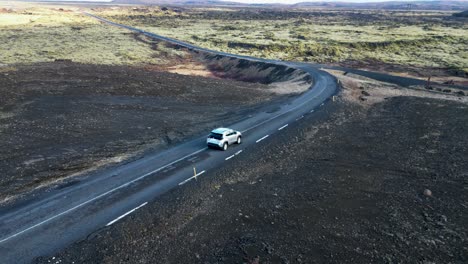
x=420, y=43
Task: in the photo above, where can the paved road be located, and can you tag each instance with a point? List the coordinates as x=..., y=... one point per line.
x=49, y=221
x=398, y=80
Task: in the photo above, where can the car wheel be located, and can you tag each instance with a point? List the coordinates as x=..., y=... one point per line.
x=239, y=140
x=225, y=145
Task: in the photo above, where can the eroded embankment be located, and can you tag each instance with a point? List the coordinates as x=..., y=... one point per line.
x=232, y=66
x=281, y=78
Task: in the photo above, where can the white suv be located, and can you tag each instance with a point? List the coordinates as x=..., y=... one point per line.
x=223, y=137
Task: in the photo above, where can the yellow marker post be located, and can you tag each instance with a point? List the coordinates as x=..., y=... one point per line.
x=195, y=173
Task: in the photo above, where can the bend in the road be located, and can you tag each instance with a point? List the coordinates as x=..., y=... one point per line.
x=67, y=215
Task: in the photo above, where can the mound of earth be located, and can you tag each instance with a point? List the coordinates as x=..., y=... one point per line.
x=59, y=119
x=282, y=79
x=379, y=175
x=461, y=14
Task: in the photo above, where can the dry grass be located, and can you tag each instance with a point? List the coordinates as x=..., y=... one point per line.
x=420, y=39
x=46, y=34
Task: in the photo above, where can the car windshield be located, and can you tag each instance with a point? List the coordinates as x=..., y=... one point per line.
x=216, y=136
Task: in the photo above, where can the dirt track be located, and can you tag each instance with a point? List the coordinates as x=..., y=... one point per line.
x=58, y=119
x=344, y=185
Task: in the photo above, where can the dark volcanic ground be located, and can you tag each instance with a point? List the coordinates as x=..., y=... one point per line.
x=57, y=119
x=344, y=185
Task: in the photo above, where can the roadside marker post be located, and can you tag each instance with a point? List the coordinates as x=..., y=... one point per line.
x=195, y=173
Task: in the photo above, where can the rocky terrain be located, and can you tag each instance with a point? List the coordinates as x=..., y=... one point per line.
x=379, y=175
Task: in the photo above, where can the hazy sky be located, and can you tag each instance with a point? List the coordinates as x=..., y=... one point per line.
x=266, y=1
x=298, y=1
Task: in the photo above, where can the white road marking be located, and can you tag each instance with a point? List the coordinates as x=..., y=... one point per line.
x=290, y=110
x=238, y=152
x=99, y=196
x=230, y=157
x=193, y=158
x=127, y=213
x=193, y=177
x=281, y=128
x=262, y=138
x=322, y=104
x=299, y=118
x=312, y=110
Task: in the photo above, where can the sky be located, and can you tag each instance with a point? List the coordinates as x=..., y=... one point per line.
x=298, y=1
x=266, y=1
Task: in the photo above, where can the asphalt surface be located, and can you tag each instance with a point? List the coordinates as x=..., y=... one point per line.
x=398, y=80
x=49, y=221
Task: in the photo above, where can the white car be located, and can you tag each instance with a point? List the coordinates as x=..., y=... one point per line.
x=223, y=137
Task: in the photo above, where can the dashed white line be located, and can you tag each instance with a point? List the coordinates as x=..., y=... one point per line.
x=281, y=128
x=235, y=154
x=312, y=110
x=288, y=111
x=193, y=177
x=193, y=158
x=99, y=196
x=299, y=118
x=127, y=213
x=262, y=138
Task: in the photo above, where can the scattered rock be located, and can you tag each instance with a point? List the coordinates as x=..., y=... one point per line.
x=267, y=248
x=365, y=93
x=427, y=192
x=444, y=218
x=256, y=260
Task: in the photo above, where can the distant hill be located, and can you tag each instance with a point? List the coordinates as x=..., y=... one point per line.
x=149, y=2
x=177, y=2
x=461, y=14
x=405, y=5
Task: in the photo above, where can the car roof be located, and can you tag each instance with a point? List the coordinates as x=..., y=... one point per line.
x=220, y=130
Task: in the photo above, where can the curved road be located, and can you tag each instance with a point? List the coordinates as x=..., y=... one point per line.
x=49, y=221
